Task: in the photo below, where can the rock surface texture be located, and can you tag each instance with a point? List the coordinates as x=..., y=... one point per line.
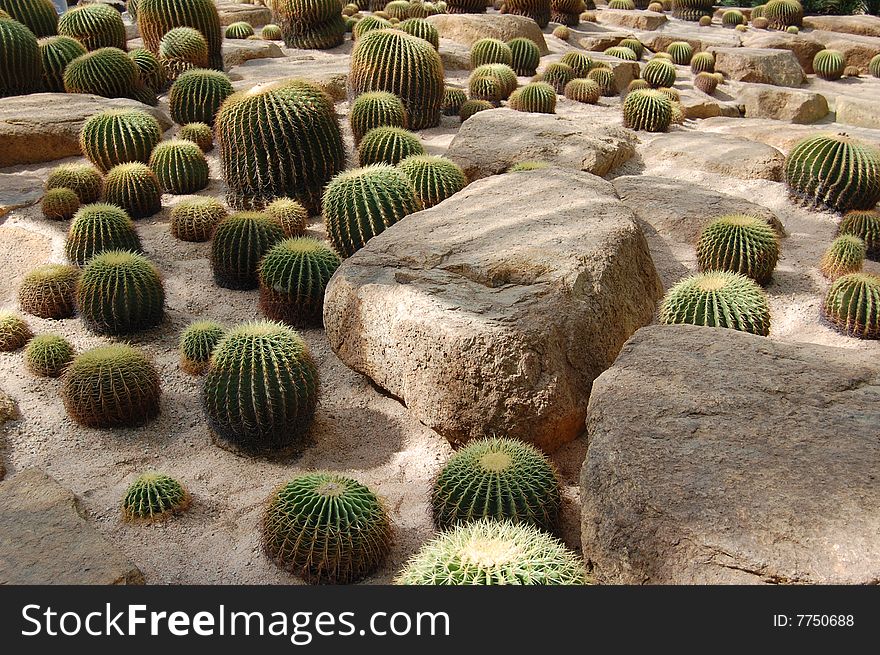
x=763, y=65
x=468, y=28
x=783, y=104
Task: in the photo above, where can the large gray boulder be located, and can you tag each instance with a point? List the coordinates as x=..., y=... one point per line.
x=493, y=312
x=762, y=65
x=719, y=457
x=469, y=28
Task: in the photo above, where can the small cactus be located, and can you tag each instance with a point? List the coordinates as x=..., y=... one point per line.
x=59, y=204
x=845, y=255
x=583, y=90
x=705, y=21
x=761, y=23
x=783, y=13
x=453, y=99
x=154, y=497
x=135, y=188
x=180, y=166
x=55, y=53
x=83, y=179
x=47, y=355
x=14, y=332
x=422, y=29
x=312, y=24
x=49, y=291
x=158, y=17
x=829, y=64
x=196, y=96
x=535, y=97
x=580, y=63
x=604, y=77
x=672, y=94
x=693, y=10
x=681, y=52
x=647, y=109
x=388, y=145
x=557, y=76
x=732, y=18
x=622, y=52
x=182, y=49
x=150, y=69
x=525, y=56
x=434, y=178
x=679, y=115
x=20, y=65
x=290, y=214
x=239, y=30
x=97, y=228
x=95, y=26
x=485, y=87
x=197, y=342
x=502, y=73
x=562, y=33
x=741, y=244
x=199, y=133
x=656, y=7
x=376, y=109
x=107, y=72
x=240, y=241
x=703, y=62
x=271, y=32
x=633, y=44
x=119, y=136
x=706, y=82
x=852, y=305
x=111, y=386
x=471, y=107
x=194, y=219
x=39, y=16
x=864, y=224
x=852, y=71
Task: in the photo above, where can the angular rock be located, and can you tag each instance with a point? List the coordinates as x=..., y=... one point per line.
x=659, y=41
x=762, y=65
x=489, y=142
x=857, y=50
x=19, y=190
x=468, y=28
x=699, y=105
x=601, y=41
x=802, y=45
x=781, y=103
x=454, y=55
x=45, y=126
x=722, y=154
x=493, y=312
x=858, y=111
x=634, y=20
x=45, y=537
x=238, y=51
x=862, y=25
x=256, y=15
x=699, y=471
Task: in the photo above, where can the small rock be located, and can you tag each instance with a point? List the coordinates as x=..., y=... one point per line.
x=634, y=20
x=238, y=51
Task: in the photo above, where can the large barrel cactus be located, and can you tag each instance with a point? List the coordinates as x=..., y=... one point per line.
x=647, y=109
x=107, y=72
x=183, y=49
x=97, y=228
x=20, y=67
x=537, y=10
x=39, y=16
x=95, y=26
x=390, y=60
x=279, y=140
x=133, y=187
x=311, y=24
x=117, y=136
x=240, y=241
x=156, y=17
x=55, y=53
x=196, y=96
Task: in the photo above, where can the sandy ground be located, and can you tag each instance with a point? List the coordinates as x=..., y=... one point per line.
x=357, y=430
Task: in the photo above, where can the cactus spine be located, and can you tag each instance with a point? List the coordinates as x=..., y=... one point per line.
x=196, y=96
x=95, y=26
x=741, y=244
x=852, y=305
x=180, y=166
x=535, y=97
x=97, y=228
x=134, y=188
x=39, y=16
x=647, y=109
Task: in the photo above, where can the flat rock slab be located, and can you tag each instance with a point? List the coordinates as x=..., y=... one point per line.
x=769, y=131
x=634, y=20
x=782, y=103
x=802, y=45
x=254, y=14
x=238, y=51
x=700, y=105
x=699, y=471
x=861, y=25
x=45, y=126
x=468, y=28
x=330, y=73
x=600, y=41
x=491, y=141
x=493, y=312
x=722, y=154
x=19, y=190
x=762, y=65
x=46, y=539
x=860, y=112
x=660, y=40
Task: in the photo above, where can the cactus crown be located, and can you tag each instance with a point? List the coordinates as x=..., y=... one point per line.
x=49, y=291
x=536, y=97
x=197, y=342
x=47, y=355
x=845, y=255
x=154, y=497
x=852, y=305
x=135, y=188
x=99, y=227
x=194, y=219
x=14, y=332
x=741, y=244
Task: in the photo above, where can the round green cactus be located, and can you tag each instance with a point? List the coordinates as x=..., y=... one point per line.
x=422, y=29
x=490, y=552
x=535, y=97
x=154, y=497
x=60, y=204
x=120, y=292
x=95, y=26
x=852, y=305
x=621, y=52
x=829, y=64
x=490, y=51
x=83, y=179
x=718, y=299
x=557, y=76
x=566, y=12
x=315, y=24
x=375, y=109
x=866, y=226
x=604, y=77
x=180, y=166
x=47, y=355
x=702, y=62
x=361, y=203
x=388, y=145
x=157, y=17
x=758, y=11
x=874, y=66
x=434, y=178
x=199, y=133
x=633, y=44
x=119, y=136
x=135, y=188
x=485, y=87
x=692, y=10
x=398, y=9
x=580, y=63
x=368, y=24
x=732, y=18
x=624, y=5
x=453, y=99
x=194, y=219
x=111, y=386
x=151, y=70
x=466, y=7
x=845, y=255
x=498, y=479
x=390, y=60
x=583, y=90
x=107, y=72
x=293, y=276
x=834, y=171
x=239, y=30
x=647, y=109
x=706, y=82
x=55, y=53
x=240, y=241
x=326, y=528
x=502, y=73
x=183, y=49
x=636, y=85
x=39, y=16
x=672, y=94
x=525, y=56
x=260, y=392
x=471, y=107
x=271, y=32
x=681, y=52
x=20, y=65
x=14, y=332
x=197, y=342
x=97, y=228
x=254, y=133
x=741, y=244
x=196, y=96
x=49, y=291
x=783, y=13
x=537, y=10
x=290, y=214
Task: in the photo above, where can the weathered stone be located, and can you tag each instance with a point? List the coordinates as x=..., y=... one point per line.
x=781, y=103
x=700, y=471
x=857, y=50
x=857, y=111
x=767, y=131
x=20, y=250
x=601, y=41
x=454, y=55
x=19, y=190
x=492, y=312
x=328, y=72
x=256, y=15
x=861, y=25
x=803, y=46
x=45, y=537
x=699, y=105
x=491, y=141
x=468, y=28
x=762, y=65
x=659, y=41
x=238, y=51
x=45, y=126
x=726, y=155
x=634, y=20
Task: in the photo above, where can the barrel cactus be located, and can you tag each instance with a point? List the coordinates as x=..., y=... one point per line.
x=120, y=292
x=375, y=109
x=271, y=32
x=290, y=214
x=434, y=178
x=580, y=62
x=537, y=10
x=622, y=52
x=490, y=51
x=194, y=219
x=866, y=226
x=239, y=30
x=111, y=386
x=240, y=241
x=196, y=96
x=199, y=133
x=525, y=55
x=135, y=188
x=874, y=66
x=636, y=85
x=256, y=133
x=55, y=53
x=95, y=26
x=705, y=82
x=502, y=73
x=633, y=44
x=316, y=24
x=180, y=166
x=604, y=77
x=719, y=299
x=703, y=62
x=388, y=145
x=154, y=497
x=157, y=17
x=783, y=13
x=681, y=52
x=47, y=355
x=60, y=204
x=97, y=228
x=326, y=528
x=829, y=64
x=741, y=244
x=197, y=342
x=49, y=291
x=20, y=65
x=182, y=49
x=845, y=255
x=535, y=97
x=485, y=87
x=566, y=12
x=453, y=99
x=500, y=479
x=557, y=76
x=852, y=305
x=491, y=552
x=583, y=90
x=471, y=107
x=834, y=171
x=368, y=24
x=623, y=5
x=107, y=72
x=14, y=332
x=39, y=16
x=150, y=69
x=466, y=7
x=732, y=18
x=293, y=276
x=692, y=10
x=647, y=109
x=390, y=60
x=422, y=29
x=83, y=179
x=260, y=392
x=399, y=9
